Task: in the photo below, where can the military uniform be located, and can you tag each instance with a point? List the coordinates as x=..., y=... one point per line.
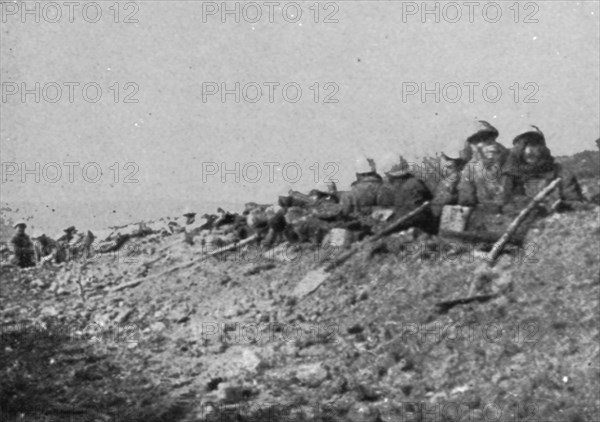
x=480, y=184
x=362, y=195
x=522, y=183
x=523, y=180
x=45, y=248
x=458, y=184
x=405, y=192
x=24, y=255
x=481, y=180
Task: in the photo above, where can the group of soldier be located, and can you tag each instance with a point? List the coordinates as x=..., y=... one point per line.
x=486, y=177
x=27, y=252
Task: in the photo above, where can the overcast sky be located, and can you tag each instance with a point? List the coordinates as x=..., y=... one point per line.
x=370, y=63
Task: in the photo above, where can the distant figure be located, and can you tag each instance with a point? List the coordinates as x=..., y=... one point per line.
x=193, y=227
x=64, y=241
x=22, y=247
x=189, y=215
x=530, y=167
x=224, y=218
x=46, y=249
x=68, y=236
x=363, y=192
x=84, y=246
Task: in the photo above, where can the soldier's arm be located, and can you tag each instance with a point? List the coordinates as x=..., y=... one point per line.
x=445, y=191
x=420, y=192
x=347, y=203
x=385, y=197
x=570, y=190
x=466, y=189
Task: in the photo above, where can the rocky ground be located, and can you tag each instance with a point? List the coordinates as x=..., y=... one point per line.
x=384, y=338
x=227, y=339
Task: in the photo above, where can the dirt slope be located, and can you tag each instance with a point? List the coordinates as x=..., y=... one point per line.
x=225, y=339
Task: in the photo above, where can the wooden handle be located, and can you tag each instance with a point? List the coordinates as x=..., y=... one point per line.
x=514, y=225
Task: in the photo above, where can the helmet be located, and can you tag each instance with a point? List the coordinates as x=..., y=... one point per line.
x=532, y=137
x=328, y=188
x=483, y=131
x=394, y=164
x=70, y=229
x=364, y=165
x=188, y=211
x=20, y=223
x=388, y=161
x=285, y=190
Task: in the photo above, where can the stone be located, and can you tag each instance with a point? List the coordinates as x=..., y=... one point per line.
x=284, y=252
x=406, y=236
x=503, y=283
x=123, y=315
x=382, y=215
x=338, y=238
x=311, y=374
x=180, y=313
x=157, y=326
x=311, y=281
x=454, y=218
x=49, y=311
x=362, y=412
x=37, y=283
x=228, y=393
x=250, y=360
x=231, y=312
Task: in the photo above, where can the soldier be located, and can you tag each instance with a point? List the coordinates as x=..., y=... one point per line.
x=363, y=192
x=224, y=218
x=403, y=190
x=480, y=181
x=46, y=249
x=530, y=167
x=84, y=246
x=68, y=236
x=193, y=227
x=446, y=192
x=266, y=221
x=189, y=215
x=312, y=220
x=22, y=247
x=324, y=191
x=64, y=252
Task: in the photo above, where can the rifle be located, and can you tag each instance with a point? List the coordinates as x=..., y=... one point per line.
x=514, y=225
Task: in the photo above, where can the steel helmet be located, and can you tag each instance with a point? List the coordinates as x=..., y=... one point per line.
x=482, y=131
x=530, y=137
x=188, y=211
x=363, y=165
x=388, y=161
x=328, y=188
